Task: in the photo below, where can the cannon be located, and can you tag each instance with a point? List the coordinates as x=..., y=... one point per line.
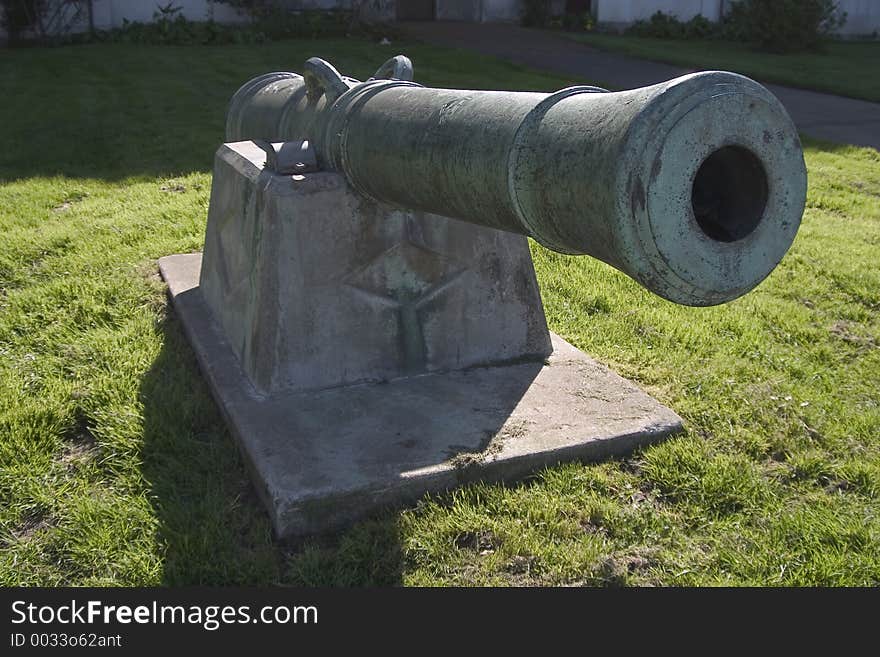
x=366, y=310
x=694, y=187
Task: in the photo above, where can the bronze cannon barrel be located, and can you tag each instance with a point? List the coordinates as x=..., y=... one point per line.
x=694, y=187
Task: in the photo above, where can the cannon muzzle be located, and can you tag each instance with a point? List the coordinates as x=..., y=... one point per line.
x=694, y=187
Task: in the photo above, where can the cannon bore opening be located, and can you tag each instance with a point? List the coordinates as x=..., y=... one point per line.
x=729, y=194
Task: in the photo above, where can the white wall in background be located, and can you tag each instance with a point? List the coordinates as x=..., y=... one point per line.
x=863, y=16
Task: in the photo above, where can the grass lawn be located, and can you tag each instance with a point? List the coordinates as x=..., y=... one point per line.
x=116, y=467
x=845, y=68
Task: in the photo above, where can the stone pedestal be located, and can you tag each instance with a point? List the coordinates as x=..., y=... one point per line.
x=316, y=286
x=365, y=355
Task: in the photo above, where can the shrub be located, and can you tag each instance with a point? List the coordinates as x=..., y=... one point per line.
x=17, y=17
x=773, y=25
x=660, y=26
x=700, y=27
x=783, y=25
x=578, y=22
x=171, y=28
x=535, y=13
x=666, y=26
x=42, y=20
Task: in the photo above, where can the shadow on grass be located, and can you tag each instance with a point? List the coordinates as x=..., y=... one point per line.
x=114, y=112
x=212, y=527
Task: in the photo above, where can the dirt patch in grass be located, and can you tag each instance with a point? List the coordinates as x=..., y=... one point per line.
x=481, y=542
x=618, y=569
x=34, y=522
x=80, y=444
x=846, y=331
x=78, y=453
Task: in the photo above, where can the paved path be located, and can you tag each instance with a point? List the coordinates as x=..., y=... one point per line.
x=838, y=119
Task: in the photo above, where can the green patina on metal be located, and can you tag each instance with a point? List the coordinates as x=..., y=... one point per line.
x=694, y=187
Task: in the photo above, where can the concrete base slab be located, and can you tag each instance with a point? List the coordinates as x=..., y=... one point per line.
x=321, y=460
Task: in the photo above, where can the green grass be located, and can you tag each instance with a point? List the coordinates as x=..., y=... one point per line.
x=844, y=68
x=116, y=468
